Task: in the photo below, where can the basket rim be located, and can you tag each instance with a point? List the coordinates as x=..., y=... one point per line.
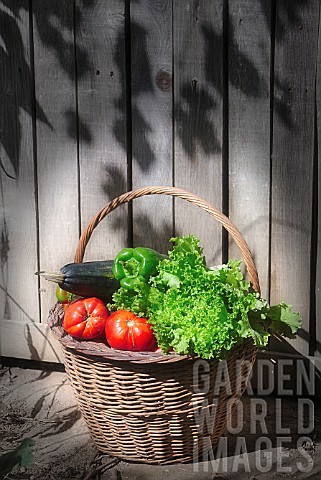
x=99, y=349
x=96, y=348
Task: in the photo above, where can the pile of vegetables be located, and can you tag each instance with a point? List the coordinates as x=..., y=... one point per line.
x=177, y=303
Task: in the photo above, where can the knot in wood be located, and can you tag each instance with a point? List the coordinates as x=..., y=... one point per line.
x=163, y=80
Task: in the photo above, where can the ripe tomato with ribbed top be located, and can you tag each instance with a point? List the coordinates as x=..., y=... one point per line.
x=85, y=318
x=125, y=331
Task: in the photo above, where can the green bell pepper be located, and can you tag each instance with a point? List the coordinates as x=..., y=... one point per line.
x=133, y=266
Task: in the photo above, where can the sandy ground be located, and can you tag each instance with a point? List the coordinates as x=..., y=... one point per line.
x=40, y=404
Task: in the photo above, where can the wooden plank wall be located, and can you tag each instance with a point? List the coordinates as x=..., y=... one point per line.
x=296, y=44
x=198, y=114
x=221, y=98
x=151, y=118
x=100, y=60
x=55, y=140
x=19, y=242
x=249, y=44
x=317, y=210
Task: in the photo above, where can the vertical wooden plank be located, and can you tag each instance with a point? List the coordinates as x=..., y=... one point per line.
x=317, y=200
x=249, y=128
x=100, y=36
x=151, y=68
x=198, y=114
x=292, y=165
x=56, y=139
x=18, y=235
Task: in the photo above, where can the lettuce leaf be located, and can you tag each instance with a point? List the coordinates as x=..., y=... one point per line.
x=283, y=320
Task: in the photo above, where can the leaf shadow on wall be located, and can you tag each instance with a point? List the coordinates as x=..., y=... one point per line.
x=141, y=83
x=132, y=122
x=16, y=84
x=114, y=184
x=18, y=26
x=285, y=20
x=288, y=12
x=50, y=21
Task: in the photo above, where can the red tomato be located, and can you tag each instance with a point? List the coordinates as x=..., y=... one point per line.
x=125, y=331
x=85, y=318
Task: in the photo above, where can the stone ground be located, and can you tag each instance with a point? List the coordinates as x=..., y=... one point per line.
x=39, y=403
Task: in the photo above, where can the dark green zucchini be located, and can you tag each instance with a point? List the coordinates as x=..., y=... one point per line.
x=87, y=279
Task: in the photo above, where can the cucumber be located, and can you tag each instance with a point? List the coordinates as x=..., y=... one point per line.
x=87, y=279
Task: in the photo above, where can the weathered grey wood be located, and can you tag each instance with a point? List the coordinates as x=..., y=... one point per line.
x=172, y=88
x=29, y=340
x=101, y=84
x=56, y=139
x=198, y=114
x=318, y=199
x=249, y=129
x=292, y=165
x=151, y=102
x=18, y=228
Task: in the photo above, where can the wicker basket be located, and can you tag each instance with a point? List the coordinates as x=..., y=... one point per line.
x=148, y=407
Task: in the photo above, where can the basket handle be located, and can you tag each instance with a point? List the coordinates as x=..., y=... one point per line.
x=185, y=195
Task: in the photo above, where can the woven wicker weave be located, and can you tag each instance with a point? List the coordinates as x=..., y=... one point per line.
x=148, y=407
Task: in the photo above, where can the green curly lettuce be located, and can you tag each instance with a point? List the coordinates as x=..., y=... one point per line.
x=195, y=310
x=205, y=312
